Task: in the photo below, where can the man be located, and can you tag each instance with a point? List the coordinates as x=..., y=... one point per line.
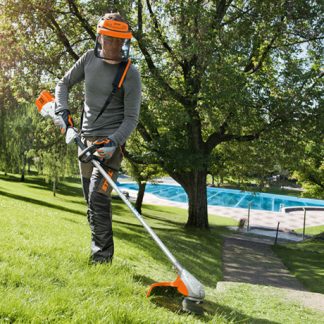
x=109, y=117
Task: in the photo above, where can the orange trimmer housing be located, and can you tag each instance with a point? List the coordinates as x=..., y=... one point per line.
x=44, y=98
x=45, y=105
x=178, y=283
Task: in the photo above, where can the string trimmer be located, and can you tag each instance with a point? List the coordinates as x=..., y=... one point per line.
x=185, y=283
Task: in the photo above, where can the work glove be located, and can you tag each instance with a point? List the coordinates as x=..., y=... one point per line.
x=106, y=148
x=63, y=119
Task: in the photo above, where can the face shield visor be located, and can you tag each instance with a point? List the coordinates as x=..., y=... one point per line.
x=113, y=40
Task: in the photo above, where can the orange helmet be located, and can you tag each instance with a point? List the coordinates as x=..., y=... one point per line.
x=113, y=28
x=113, y=39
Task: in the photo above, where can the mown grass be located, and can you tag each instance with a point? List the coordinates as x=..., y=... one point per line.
x=311, y=230
x=45, y=276
x=305, y=260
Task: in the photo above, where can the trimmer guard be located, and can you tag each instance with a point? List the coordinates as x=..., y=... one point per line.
x=178, y=283
x=186, y=285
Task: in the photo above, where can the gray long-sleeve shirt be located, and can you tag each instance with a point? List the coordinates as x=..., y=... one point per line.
x=121, y=115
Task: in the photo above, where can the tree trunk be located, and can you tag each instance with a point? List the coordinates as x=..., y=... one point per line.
x=22, y=178
x=54, y=187
x=140, y=196
x=29, y=164
x=195, y=187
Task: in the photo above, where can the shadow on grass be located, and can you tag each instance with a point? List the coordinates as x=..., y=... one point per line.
x=201, y=256
x=163, y=220
x=162, y=209
x=119, y=208
x=40, y=203
x=154, y=228
x=9, y=177
x=78, y=202
x=34, y=178
x=306, y=265
x=36, y=182
x=73, y=221
x=212, y=311
x=62, y=189
x=230, y=314
x=190, y=230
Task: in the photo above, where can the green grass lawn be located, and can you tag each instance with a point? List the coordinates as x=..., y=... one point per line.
x=45, y=276
x=311, y=230
x=305, y=260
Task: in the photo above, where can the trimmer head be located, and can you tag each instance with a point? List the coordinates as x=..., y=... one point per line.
x=192, y=306
x=187, y=285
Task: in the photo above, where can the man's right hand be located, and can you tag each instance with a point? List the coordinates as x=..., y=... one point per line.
x=63, y=119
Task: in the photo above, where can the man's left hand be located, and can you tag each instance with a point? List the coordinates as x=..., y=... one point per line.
x=106, y=148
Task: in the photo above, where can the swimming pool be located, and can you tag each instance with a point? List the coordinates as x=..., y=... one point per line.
x=228, y=197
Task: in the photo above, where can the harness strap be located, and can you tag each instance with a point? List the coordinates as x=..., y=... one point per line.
x=118, y=81
x=116, y=85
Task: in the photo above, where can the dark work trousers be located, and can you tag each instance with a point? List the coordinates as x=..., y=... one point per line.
x=97, y=193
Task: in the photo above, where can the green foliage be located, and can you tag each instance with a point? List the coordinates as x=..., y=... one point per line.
x=30, y=62
x=19, y=135
x=214, y=73
x=255, y=161
x=137, y=151
x=310, y=171
x=31, y=139
x=138, y=166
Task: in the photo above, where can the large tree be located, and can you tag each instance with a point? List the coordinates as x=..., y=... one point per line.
x=223, y=71
x=214, y=72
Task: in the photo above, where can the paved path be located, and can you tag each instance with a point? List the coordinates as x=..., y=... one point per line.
x=251, y=260
x=254, y=262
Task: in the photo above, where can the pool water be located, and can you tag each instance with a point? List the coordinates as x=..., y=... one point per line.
x=228, y=197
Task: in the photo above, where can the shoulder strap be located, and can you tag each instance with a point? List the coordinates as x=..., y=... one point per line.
x=117, y=84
